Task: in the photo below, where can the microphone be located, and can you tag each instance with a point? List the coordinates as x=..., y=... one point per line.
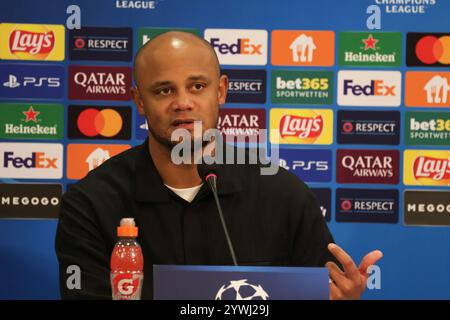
x=208, y=173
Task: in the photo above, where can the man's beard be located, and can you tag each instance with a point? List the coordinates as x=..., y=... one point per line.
x=170, y=144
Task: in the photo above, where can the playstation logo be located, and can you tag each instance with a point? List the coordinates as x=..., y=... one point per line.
x=144, y=126
x=12, y=82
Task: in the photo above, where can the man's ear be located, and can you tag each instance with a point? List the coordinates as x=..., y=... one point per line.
x=138, y=100
x=223, y=89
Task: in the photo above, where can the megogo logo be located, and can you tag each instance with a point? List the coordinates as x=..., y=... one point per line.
x=369, y=88
x=31, y=160
x=28, y=200
x=427, y=167
x=31, y=42
x=427, y=128
x=99, y=122
x=239, y=46
x=427, y=208
x=302, y=126
x=427, y=89
x=367, y=166
x=428, y=49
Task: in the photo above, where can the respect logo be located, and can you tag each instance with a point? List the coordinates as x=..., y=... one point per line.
x=426, y=167
x=301, y=126
x=302, y=48
x=427, y=89
x=32, y=42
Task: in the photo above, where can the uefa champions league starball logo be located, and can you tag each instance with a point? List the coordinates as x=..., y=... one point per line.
x=241, y=290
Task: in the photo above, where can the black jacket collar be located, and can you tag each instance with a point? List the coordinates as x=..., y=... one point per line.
x=150, y=187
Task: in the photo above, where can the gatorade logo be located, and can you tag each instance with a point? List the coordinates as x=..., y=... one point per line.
x=428, y=50
x=369, y=88
x=239, y=46
x=301, y=126
x=31, y=160
x=89, y=122
x=126, y=286
x=302, y=48
x=427, y=167
x=32, y=42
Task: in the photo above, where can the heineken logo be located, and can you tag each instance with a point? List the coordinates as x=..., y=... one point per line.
x=31, y=115
x=370, y=49
x=37, y=121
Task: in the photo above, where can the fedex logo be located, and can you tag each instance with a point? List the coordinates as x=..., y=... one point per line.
x=36, y=160
x=239, y=46
x=242, y=46
x=369, y=88
x=31, y=160
x=375, y=88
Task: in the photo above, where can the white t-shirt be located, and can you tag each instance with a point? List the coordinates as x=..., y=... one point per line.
x=187, y=194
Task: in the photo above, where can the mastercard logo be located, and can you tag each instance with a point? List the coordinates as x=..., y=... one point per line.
x=428, y=49
x=92, y=122
x=106, y=122
x=431, y=49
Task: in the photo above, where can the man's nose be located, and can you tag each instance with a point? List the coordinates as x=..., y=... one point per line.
x=183, y=102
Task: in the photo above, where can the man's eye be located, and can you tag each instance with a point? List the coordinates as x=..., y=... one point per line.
x=164, y=91
x=198, y=86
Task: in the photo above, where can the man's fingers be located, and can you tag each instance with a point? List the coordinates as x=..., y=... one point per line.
x=370, y=259
x=347, y=262
x=335, y=292
x=338, y=276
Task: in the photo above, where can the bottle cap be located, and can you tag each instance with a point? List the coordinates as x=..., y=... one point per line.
x=127, y=228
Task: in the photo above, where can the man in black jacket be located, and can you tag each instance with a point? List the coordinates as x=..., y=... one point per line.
x=272, y=219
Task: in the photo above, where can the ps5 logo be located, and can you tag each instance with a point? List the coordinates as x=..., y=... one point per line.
x=32, y=81
x=305, y=165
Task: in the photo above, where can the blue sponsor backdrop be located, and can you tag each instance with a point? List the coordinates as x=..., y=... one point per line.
x=416, y=259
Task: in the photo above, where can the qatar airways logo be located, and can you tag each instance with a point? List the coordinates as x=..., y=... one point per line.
x=99, y=83
x=432, y=168
x=301, y=127
x=31, y=42
x=368, y=166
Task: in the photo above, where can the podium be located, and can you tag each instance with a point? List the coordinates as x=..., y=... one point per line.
x=181, y=282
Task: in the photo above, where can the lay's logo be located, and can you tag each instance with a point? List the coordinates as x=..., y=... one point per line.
x=301, y=126
x=32, y=42
x=427, y=167
x=432, y=168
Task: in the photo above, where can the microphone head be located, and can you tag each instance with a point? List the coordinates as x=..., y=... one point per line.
x=205, y=171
